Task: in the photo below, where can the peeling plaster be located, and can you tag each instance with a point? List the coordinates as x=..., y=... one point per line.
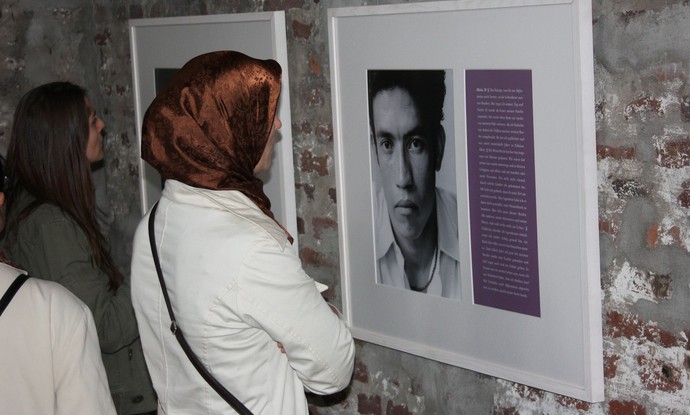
x=628, y=286
x=631, y=382
x=512, y=396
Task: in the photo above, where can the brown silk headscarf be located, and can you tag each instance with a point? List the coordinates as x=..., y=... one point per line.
x=208, y=128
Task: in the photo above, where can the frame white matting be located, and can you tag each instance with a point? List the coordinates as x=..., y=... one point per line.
x=168, y=43
x=560, y=348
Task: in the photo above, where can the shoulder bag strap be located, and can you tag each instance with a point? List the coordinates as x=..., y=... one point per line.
x=224, y=393
x=11, y=291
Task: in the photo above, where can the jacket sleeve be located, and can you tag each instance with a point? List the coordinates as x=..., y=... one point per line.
x=58, y=250
x=276, y=294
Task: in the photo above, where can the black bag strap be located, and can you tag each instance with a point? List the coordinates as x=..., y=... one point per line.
x=224, y=393
x=11, y=291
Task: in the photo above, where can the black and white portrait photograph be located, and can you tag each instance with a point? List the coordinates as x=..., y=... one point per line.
x=413, y=177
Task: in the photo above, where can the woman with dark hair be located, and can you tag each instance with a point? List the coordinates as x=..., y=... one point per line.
x=52, y=230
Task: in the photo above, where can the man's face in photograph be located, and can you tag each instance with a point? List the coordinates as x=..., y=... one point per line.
x=406, y=156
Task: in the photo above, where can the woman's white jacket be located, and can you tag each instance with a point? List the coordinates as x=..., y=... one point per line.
x=237, y=289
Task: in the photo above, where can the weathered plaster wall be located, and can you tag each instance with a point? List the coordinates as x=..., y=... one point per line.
x=642, y=52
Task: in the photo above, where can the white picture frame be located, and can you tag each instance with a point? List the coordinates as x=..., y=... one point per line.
x=168, y=43
x=558, y=347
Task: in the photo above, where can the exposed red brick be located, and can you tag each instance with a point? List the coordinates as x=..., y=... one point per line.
x=674, y=234
x=643, y=104
x=320, y=224
x=658, y=375
x=608, y=226
x=619, y=325
x=652, y=235
x=626, y=408
x=670, y=72
x=684, y=196
x=301, y=30
x=311, y=257
x=314, y=65
x=661, y=337
x=316, y=164
x=631, y=327
x=304, y=127
x=529, y=393
x=674, y=154
x=620, y=153
x=569, y=402
x=393, y=409
x=610, y=365
x=368, y=405
x=361, y=372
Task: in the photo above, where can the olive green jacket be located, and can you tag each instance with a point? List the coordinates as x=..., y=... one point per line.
x=49, y=244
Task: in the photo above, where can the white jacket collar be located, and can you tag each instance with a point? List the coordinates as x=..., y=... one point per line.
x=232, y=201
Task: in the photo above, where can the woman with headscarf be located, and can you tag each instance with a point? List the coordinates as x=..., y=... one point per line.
x=251, y=314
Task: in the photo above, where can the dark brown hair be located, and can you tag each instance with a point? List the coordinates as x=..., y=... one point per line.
x=47, y=158
x=426, y=87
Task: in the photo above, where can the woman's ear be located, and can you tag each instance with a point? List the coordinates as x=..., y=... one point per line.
x=2, y=199
x=440, y=146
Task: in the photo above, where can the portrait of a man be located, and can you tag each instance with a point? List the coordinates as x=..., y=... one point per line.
x=416, y=222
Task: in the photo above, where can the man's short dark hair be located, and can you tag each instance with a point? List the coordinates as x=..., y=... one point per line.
x=426, y=87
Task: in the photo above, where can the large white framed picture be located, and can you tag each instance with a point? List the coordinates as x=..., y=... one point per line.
x=160, y=46
x=467, y=188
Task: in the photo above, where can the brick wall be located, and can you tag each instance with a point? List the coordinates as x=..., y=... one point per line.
x=642, y=55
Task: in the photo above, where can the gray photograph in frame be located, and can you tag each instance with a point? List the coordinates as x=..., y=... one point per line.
x=413, y=170
x=559, y=347
x=162, y=45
